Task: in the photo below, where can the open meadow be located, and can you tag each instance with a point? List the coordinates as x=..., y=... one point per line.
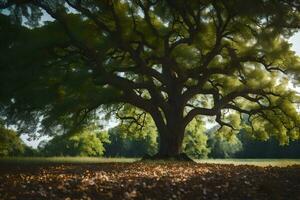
x=123, y=178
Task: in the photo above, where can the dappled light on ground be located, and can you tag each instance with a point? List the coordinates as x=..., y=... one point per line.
x=148, y=181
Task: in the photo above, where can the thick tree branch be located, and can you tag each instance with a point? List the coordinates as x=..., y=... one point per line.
x=198, y=111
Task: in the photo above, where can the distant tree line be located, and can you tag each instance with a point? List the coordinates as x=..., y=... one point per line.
x=244, y=145
x=116, y=142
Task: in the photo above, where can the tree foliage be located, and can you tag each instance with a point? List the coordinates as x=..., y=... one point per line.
x=195, y=140
x=123, y=144
x=253, y=148
x=10, y=143
x=174, y=60
x=222, y=146
x=86, y=142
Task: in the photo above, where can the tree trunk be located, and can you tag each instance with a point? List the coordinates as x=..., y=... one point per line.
x=170, y=123
x=170, y=141
x=170, y=144
x=171, y=136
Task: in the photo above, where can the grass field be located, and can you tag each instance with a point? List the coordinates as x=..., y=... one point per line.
x=70, y=160
x=91, y=160
x=256, y=162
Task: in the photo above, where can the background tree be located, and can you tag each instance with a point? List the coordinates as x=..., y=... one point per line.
x=135, y=135
x=174, y=60
x=224, y=146
x=86, y=142
x=195, y=140
x=123, y=144
x=252, y=148
x=10, y=143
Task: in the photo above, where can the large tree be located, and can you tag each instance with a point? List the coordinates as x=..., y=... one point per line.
x=173, y=60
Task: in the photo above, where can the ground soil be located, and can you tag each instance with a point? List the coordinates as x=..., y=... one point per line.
x=148, y=180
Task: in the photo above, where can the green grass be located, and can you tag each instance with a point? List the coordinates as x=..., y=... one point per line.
x=95, y=160
x=256, y=162
x=70, y=160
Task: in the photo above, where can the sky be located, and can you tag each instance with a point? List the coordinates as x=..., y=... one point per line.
x=295, y=41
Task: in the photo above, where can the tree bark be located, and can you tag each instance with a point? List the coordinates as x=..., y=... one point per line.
x=170, y=140
x=170, y=144
x=171, y=133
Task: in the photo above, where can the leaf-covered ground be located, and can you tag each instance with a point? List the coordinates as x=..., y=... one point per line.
x=148, y=180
